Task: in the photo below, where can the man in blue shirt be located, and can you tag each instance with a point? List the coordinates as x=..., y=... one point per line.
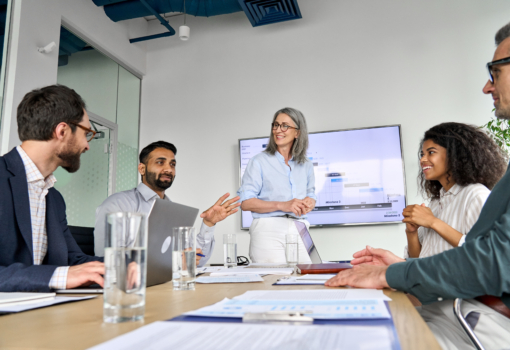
x=480, y=267
x=157, y=168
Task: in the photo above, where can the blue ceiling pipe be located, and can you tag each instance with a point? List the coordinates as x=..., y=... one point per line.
x=124, y=10
x=106, y=2
x=170, y=32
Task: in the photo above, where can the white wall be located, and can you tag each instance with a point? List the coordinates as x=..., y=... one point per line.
x=36, y=23
x=346, y=64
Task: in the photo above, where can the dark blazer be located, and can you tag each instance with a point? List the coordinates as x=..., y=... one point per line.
x=17, y=270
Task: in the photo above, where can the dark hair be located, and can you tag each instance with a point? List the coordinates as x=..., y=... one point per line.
x=41, y=110
x=471, y=155
x=502, y=34
x=144, y=154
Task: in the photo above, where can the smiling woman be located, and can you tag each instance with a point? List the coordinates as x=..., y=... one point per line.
x=460, y=165
x=278, y=187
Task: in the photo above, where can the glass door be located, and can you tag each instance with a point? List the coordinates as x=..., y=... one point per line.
x=86, y=189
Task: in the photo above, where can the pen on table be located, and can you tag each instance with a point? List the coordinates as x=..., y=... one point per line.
x=202, y=255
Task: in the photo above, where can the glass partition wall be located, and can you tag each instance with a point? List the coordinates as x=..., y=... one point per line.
x=112, y=95
x=5, y=11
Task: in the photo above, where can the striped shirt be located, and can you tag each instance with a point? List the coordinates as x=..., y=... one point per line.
x=38, y=187
x=460, y=208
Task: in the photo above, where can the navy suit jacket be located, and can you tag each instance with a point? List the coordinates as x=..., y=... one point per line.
x=17, y=270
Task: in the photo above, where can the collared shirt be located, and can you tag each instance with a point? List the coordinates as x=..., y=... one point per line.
x=38, y=188
x=140, y=200
x=268, y=178
x=460, y=208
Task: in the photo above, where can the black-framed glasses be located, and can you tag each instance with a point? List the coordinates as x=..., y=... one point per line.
x=283, y=127
x=493, y=63
x=90, y=133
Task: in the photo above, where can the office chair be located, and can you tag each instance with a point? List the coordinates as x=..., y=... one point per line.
x=84, y=236
x=467, y=328
x=493, y=302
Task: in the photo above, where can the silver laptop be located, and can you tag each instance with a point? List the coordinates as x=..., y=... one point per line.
x=308, y=242
x=164, y=216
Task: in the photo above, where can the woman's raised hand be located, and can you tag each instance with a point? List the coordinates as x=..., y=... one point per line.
x=418, y=215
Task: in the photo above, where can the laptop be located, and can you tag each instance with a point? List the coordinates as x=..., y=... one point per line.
x=164, y=216
x=308, y=242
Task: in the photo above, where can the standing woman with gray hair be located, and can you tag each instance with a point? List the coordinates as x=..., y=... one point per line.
x=278, y=187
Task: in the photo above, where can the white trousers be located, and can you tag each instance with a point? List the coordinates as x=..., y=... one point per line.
x=267, y=240
x=492, y=328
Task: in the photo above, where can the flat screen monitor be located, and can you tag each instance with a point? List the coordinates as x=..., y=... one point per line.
x=359, y=175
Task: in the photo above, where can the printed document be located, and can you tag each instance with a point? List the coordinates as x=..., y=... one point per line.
x=317, y=309
x=257, y=271
x=230, y=279
x=43, y=303
x=311, y=294
x=235, y=336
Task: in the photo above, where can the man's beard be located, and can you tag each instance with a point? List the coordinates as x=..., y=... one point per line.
x=154, y=180
x=71, y=159
x=502, y=113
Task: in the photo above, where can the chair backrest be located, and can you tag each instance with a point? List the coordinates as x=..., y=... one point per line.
x=84, y=236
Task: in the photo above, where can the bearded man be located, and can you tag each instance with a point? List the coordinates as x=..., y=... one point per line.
x=158, y=168
x=37, y=251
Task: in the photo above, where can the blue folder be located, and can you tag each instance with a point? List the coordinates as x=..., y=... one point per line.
x=388, y=323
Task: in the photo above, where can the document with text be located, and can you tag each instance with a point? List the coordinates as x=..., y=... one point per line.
x=313, y=294
x=318, y=309
x=235, y=336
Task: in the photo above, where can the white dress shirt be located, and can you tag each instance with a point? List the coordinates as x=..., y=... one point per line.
x=460, y=208
x=140, y=200
x=38, y=188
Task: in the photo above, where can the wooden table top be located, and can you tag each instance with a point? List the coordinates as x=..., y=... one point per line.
x=80, y=325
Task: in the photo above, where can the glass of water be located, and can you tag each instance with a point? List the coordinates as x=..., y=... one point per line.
x=125, y=267
x=229, y=250
x=291, y=250
x=184, y=265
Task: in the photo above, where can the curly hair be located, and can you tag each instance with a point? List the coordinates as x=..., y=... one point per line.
x=471, y=155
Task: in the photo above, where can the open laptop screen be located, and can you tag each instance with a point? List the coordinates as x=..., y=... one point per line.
x=308, y=242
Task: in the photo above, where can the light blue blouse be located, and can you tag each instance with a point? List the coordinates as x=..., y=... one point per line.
x=268, y=178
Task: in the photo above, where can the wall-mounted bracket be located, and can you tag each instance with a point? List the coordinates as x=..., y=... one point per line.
x=170, y=32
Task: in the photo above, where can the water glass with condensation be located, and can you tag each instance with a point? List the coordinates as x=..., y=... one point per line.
x=184, y=266
x=125, y=257
x=229, y=250
x=291, y=249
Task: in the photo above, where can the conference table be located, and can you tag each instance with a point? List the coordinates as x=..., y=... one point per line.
x=79, y=325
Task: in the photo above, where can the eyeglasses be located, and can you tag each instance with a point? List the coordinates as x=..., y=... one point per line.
x=493, y=63
x=283, y=127
x=90, y=133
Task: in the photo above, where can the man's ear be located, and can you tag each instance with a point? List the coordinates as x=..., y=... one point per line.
x=141, y=169
x=61, y=130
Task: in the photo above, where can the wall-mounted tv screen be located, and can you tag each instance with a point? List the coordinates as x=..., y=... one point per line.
x=359, y=175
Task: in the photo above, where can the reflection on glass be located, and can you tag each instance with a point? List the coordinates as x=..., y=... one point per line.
x=111, y=93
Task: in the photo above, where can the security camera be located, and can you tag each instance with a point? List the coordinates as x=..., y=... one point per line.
x=48, y=48
x=184, y=33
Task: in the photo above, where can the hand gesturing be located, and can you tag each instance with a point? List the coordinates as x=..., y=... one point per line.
x=219, y=211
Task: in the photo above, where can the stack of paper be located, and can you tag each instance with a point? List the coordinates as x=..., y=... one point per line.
x=306, y=279
x=257, y=271
x=17, y=302
x=230, y=279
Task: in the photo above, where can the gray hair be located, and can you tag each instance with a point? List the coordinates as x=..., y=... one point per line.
x=502, y=34
x=300, y=145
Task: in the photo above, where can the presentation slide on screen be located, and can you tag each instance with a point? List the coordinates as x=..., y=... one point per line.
x=359, y=175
